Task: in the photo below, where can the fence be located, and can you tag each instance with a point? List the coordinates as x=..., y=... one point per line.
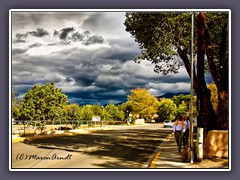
x=44, y=126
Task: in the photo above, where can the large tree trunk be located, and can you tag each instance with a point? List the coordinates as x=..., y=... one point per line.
x=222, y=111
x=209, y=115
x=223, y=104
x=200, y=71
x=220, y=77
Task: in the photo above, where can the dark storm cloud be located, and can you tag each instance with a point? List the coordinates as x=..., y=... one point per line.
x=20, y=38
x=85, y=37
x=25, y=19
x=175, y=78
x=93, y=19
x=55, y=33
x=163, y=79
x=85, y=77
x=65, y=43
x=94, y=40
x=66, y=51
x=77, y=36
x=84, y=80
x=35, y=45
x=67, y=34
x=87, y=74
x=111, y=94
x=109, y=84
x=122, y=50
x=96, y=97
x=116, y=68
x=87, y=33
x=19, y=41
x=36, y=65
x=19, y=89
x=122, y=54
x=104, y=22
x=64, y=32
x=39, y=32
x=18, y=51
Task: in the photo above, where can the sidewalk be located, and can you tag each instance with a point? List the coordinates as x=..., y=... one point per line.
x=167, y=155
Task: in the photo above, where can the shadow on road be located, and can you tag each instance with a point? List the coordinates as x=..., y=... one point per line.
x=129, y=147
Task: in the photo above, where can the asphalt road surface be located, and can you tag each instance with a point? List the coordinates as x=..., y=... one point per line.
x=123, y=147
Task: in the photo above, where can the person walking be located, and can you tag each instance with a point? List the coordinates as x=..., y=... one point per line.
x=178, y=128
x=186, y=131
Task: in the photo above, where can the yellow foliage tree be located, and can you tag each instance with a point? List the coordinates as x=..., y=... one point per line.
x=214, y=95
x=142, y=103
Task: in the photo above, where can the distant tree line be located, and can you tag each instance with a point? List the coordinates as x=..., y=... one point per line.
x=46, y=102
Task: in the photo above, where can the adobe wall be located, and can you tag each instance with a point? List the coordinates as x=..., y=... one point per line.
x=139, y=122
x=216, y=143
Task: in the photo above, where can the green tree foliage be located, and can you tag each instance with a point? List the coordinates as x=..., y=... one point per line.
x=180, y=98
x=97, y=110
x=14, y=108
x=87, y=112
x=114, y=112
x=182, y=108
x=71, y=112
x=165, y=36
x=166, y=109
x=43, y=103
x=142, y=103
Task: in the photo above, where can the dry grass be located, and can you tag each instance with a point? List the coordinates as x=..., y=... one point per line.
x=211, y=163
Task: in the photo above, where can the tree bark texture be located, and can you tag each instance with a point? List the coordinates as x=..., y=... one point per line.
x=208, y=114
x=220, y=78
x=200, y=70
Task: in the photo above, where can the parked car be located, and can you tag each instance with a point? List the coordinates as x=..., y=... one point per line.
x=167, y=123
x=152, y=121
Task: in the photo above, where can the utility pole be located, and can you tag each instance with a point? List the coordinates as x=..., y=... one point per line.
x=200, y=84
x=191, y=89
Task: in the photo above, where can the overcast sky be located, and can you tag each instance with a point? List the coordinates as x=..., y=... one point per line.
x=87, y=54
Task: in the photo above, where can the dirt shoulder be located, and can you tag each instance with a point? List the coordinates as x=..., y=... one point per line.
x=214, y=162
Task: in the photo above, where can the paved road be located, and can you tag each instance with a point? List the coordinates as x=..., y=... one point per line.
x=124, y=147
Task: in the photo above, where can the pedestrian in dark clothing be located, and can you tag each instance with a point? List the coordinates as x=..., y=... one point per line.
x=178, y=128
x=186, y=131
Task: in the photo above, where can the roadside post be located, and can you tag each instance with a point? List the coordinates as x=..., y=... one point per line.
x=199, y=144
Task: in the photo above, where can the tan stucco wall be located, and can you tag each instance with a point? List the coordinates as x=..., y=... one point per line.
x=139, y=122
x=216, y=143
